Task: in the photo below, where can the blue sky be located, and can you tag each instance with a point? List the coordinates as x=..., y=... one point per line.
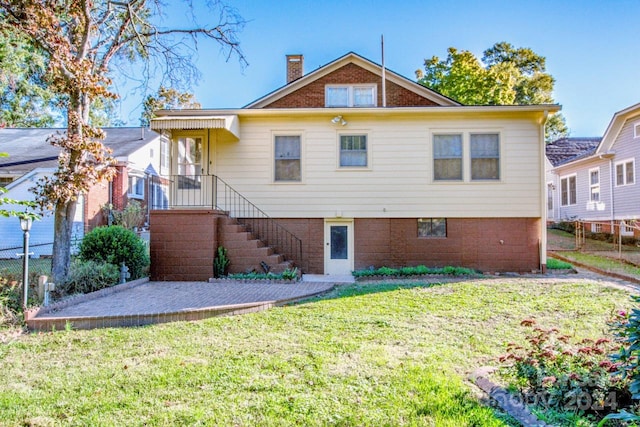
x=592, y=47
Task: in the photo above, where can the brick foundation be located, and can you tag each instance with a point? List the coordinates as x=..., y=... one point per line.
x=183, y=244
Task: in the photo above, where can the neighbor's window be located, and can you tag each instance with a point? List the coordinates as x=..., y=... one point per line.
x=350, y=96
x=165, y=156
x=287, y=158
x=353, y=150
x=485, y=156
x=568, y=190
x=447, y=157
x=594, y=185
x=432, y=227
x=625, y=173
x=549, y=196
x=136, y=187
x=636, y=130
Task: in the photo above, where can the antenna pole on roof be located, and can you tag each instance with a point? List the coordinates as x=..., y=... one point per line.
x=384, y=83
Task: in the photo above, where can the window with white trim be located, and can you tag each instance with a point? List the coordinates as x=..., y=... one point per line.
x=549, y=196
x=432, y=227
x=594, y=184
x=568, y=190
x=447, y=157
x=636, y=130
x=136, y=187
x=596, y=227
x=353, y=150
x=287, y=155
x=350, y=96
x=625, y=172
x=485, y=156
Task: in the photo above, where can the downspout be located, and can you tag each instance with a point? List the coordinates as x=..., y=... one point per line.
x=543, y=196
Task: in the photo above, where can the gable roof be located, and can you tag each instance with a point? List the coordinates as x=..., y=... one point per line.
x=353, y=58
x=567, y=150
x=615, y=126
x=28, y=148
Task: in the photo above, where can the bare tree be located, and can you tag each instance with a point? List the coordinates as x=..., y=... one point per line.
x=83, y=43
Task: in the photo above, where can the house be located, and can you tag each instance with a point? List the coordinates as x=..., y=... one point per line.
x=31, y=157
x=350, y=166
x=594, y=179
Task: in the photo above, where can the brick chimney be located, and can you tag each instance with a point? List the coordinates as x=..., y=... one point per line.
x=295, y=67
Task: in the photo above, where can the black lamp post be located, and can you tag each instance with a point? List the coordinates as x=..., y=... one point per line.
x=25, y=225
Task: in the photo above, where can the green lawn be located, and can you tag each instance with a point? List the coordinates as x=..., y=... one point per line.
x=371, y=355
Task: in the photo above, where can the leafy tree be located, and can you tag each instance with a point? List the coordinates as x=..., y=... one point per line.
x=83, y=42
x=25, y=100
x=504, y=76
x=167, y=98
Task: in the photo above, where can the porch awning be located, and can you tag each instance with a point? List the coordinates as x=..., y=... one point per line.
x=228, y=123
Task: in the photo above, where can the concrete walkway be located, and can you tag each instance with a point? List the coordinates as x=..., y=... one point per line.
x=142, y=302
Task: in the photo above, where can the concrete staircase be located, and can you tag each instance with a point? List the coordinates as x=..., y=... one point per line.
x=245, y=252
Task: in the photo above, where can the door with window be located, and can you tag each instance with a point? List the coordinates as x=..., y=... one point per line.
x=191, y=187
x=338, y=252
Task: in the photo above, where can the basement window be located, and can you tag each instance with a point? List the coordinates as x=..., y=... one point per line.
x=432, y=227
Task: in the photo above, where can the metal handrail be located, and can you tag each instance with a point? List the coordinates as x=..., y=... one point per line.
x=210, y=191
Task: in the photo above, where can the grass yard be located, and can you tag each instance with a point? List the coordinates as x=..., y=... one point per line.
x=367, y=354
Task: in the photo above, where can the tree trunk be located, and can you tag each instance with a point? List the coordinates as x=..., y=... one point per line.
x=63, y=228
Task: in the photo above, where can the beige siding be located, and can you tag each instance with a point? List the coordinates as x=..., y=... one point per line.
x=398, y=181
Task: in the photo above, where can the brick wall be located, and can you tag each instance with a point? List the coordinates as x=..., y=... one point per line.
x=120, y=185
x=183, y=244
x=470, y=242
x=94, y=200
x=312, y=95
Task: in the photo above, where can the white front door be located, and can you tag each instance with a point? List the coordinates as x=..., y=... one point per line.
x=338, y=247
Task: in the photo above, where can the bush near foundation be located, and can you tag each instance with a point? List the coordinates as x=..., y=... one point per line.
x=115, y=245
x=90, y=276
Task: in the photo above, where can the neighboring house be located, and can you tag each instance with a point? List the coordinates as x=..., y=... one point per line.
x=594, y=179
x=31, y=157
x=354, y=170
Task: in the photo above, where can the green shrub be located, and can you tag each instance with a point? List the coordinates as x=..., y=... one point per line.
x=414, y=271
x=115, y=245
x=10, y=298
x=555, y=374
x=568, y=226
x=288, y=274
x=221, y=262
x=89, y=276
x=556, y=264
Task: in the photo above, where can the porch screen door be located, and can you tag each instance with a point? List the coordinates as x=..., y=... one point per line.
x=190, y=188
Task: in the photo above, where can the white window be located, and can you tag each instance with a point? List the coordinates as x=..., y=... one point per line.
x=485, y=156
x=165, y=156
x=353, y=150
x=159, y=194
x=636, y=130
x=287, y=158
x=625, y=172
x=136, y=187
x=594, y=185
x=628, y=227
x=596, y=227
x=447, y=157
x=350, y=96
x=568, y=190
x=549, y=195
x=432, y=227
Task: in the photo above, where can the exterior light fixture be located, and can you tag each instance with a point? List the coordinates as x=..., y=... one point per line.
x=25, y=225
x=339, y=119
